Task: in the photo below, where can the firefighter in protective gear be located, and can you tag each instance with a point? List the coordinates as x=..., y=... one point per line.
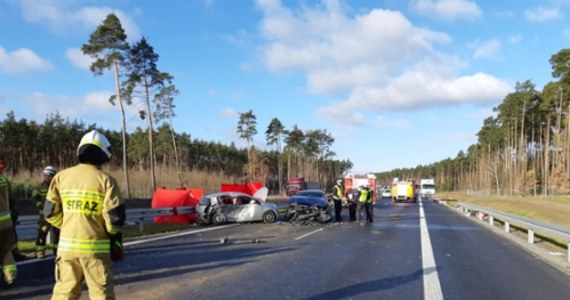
x=39, y=196
x=86, y=204
x=338, y=193
x=7, y=238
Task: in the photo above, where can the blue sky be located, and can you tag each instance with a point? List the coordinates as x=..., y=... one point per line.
x=397, y=83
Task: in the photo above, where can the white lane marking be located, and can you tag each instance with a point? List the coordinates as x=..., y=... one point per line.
x=176, y=235
x=432, y=287
x=307, y=234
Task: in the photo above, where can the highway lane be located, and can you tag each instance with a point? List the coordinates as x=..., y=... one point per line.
x=382, y=260
x=475, y=263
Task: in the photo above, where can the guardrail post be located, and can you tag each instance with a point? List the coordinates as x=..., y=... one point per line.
x=491, y=221
x=568, y=254
x=507, y=227
x=530, y=236
x=141, y=225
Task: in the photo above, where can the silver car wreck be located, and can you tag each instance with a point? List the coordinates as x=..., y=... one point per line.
x=223, y=207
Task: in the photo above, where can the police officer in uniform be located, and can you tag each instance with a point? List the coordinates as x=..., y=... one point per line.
x=86, y=204
x=338, y=193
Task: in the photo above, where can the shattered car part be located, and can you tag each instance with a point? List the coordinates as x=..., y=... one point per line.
x=308, y=206
x=227, y=240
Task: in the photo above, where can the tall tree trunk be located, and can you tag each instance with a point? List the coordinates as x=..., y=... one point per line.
x=150, y=137
x=546, y=165
x=123, y=127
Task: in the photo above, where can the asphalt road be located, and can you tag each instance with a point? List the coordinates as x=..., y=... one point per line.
x=404, y=254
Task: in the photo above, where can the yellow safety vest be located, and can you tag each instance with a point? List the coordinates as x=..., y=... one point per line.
x=364, y=195
x=5, y=217
x=339, y=192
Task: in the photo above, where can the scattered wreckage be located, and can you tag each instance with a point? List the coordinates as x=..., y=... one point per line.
x=307, y=207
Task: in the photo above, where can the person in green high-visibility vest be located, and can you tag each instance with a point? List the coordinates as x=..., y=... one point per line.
x=365, y=204
x=39, y=197
x=7, y=237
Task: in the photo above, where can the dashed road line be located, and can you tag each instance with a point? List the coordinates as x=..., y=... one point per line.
x=432, y=287
x=307, y=234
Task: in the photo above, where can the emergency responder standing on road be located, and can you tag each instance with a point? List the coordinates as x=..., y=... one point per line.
x=352, y=204
x=364, y=204
x=39, y=197
x=338, y=193
x=369, y=205
x=86, y=204
x=7, y=238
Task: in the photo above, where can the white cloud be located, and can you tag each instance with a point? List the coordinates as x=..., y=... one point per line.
x=482, y=113
x=344, y=118
x=348, y=59
x=384, y=122
x=515, y=39
x=447, y=9
x=78, y=59
x=488, y=49
x=90, y=108
x=229, y=113
x=469, y=137
x=542, y=14
x=62, y=17
x=99, y=101
x=22, y=61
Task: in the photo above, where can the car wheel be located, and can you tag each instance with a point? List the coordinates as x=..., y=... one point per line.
x=269, y=217
x=219, y=219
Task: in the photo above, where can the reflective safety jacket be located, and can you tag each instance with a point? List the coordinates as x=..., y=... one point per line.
x=39, y=196
x=338, y=192
x=86, y=204
x=365, y=196
x=5, y=217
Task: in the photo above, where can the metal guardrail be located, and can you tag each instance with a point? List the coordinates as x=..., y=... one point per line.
x=135, y=216
x=531, y=225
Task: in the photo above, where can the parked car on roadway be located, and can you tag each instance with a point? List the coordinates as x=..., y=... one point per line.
x=219, y=208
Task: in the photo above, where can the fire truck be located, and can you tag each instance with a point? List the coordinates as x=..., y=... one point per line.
x=353, y=181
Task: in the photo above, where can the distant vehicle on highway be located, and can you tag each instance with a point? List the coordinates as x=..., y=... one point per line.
x=385, y=192
x=219, y=208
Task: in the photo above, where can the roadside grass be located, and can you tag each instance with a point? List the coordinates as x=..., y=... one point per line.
x=551, y=209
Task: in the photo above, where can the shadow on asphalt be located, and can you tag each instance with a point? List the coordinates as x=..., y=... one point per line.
x=355, y=290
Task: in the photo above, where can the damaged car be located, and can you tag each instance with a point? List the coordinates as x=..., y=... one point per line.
x=223, y=207
x=308, y=206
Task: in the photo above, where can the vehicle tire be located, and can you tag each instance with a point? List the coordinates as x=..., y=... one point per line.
x=269, y=217
x=219, y=219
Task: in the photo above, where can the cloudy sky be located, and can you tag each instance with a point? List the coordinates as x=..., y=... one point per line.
x=396, y=83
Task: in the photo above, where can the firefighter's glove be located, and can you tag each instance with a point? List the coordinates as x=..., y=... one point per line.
x=116, y=247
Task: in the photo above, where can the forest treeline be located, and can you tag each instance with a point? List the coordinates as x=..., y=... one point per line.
x=30, y=146
x=524, y=149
